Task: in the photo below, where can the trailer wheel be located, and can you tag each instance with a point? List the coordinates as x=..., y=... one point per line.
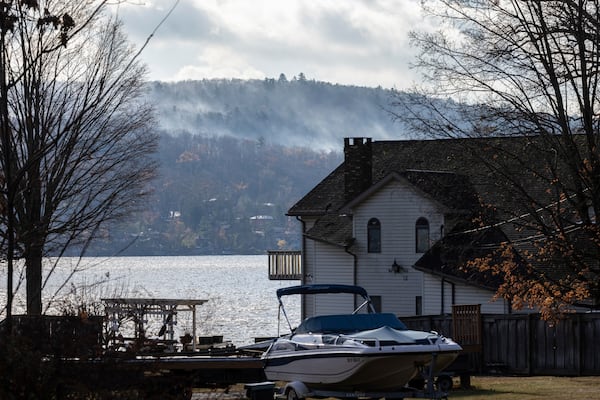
x=444, y=383
x=292, y=395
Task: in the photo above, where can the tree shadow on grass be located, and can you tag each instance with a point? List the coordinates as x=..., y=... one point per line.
x=476, y=393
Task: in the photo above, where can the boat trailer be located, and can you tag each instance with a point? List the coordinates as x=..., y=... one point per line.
x=430, y=386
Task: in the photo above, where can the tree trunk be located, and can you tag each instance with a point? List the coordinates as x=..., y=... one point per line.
x=33, y=265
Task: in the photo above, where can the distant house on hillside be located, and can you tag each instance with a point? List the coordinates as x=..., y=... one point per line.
x=396, y=218
x=260, y=222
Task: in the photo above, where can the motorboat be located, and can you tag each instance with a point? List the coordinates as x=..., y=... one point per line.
x=361, y=351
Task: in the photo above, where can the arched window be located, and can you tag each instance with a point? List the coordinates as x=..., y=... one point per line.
x=374, y=236
x=422, y=235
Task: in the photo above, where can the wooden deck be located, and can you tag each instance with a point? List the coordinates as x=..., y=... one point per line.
x=174, y=375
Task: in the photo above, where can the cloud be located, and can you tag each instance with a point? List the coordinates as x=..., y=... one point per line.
x=218, y=62
x=361, y=42
x=186, y=22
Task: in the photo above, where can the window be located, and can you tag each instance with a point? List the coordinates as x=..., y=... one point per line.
x=418, y=305
x=374, y=236
x=422, y=235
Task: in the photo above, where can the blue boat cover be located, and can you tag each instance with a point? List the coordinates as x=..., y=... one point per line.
x=320, y=289
x=349, y=323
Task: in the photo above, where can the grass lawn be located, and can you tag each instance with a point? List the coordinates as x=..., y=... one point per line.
x=529, y=388
x=483, y=387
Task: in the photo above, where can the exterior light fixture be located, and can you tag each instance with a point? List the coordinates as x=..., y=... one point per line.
x=399, y=269
x=396, y=268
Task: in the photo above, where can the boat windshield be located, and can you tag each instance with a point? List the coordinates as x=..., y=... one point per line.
x=349, y=323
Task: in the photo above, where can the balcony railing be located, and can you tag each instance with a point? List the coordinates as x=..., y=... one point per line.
x=285, y=265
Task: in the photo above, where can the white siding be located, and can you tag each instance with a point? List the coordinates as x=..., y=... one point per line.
x=463, y=294
x=335, y=266
x=397, y=206
x=328, y=264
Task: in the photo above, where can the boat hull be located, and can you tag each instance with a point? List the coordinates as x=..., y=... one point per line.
x=375, y=370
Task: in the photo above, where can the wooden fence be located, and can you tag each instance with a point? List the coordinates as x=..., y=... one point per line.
x=65, y=336
x=525, y=344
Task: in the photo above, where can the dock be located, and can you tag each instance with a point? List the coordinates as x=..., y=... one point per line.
x=136, y=312
x=115, y=353
x=173, y=377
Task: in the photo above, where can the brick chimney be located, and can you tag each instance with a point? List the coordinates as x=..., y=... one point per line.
x=358, y=163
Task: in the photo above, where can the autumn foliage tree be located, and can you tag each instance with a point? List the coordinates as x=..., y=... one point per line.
x=526, y=69
x=76, y=144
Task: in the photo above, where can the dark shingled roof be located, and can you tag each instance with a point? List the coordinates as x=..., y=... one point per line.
x=327, y=196
x=334, y=229
x=450, y=189
x=448, y=256
x=463, y=157
x=452, y=172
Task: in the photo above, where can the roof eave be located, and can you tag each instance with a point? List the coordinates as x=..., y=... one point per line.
x=309, y=213
x=453, y=278
x=344, y=245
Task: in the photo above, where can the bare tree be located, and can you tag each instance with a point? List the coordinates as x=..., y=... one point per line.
x=76, y=137
x=526, y=69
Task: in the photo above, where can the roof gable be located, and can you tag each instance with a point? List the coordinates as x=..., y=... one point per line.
x=452, y=192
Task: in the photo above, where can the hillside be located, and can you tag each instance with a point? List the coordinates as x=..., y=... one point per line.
x=235, y=155
x=296, y=112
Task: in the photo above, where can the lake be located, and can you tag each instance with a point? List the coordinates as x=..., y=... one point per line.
x=242, y=302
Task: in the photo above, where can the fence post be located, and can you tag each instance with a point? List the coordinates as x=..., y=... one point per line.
x=530, y=344
x=580, y=347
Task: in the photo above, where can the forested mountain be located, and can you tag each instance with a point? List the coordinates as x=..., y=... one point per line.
x=235, y=155
x=296, y=112
x=219, y=195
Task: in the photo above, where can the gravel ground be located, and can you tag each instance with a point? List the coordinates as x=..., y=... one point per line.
x=234, y=393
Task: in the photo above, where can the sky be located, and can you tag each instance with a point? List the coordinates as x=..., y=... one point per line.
x=349, y=42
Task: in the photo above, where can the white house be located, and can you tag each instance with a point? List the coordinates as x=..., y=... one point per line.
x=378, y=221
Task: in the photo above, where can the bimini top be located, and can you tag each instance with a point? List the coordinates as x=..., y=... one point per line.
x=321, y=288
